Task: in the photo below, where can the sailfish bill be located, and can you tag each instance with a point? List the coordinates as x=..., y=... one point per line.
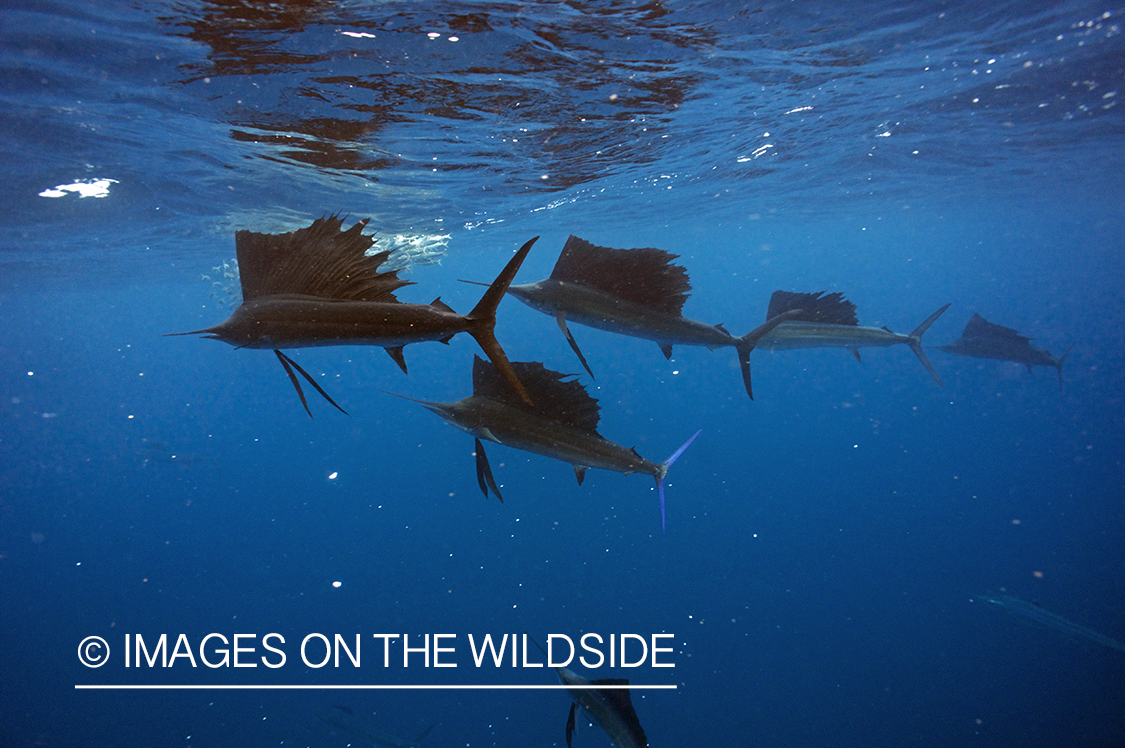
x=562, y=424
x=638, y=292
x=983, y=339
x=828, y=320
x=317, y=287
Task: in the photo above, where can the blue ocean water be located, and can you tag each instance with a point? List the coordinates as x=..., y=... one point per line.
x=831, y=546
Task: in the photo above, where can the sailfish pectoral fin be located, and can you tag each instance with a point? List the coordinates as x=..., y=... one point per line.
x=561, y=319
x=484, y=473
x=855, y=352
x=289, y=364
x=570, y=724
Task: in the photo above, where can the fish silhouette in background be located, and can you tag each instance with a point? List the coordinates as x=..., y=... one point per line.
x=1035, y=613
x=345, y=719
x=983, y=339
x=637, y=292
x=828, y=320
x=561, y=424
x=609, y=708
x=154, y=452
x=317, y=286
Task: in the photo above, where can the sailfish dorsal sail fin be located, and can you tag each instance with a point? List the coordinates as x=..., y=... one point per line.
x=563, y=401
x=643, y=276
x=979, y=327
x=824, y=307
x=318, y=260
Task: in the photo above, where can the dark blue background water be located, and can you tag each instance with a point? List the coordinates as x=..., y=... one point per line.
x=826, y=542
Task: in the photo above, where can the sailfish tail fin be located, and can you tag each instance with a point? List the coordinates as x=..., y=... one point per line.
x=664, y=472
x=916, y=343
x=746, y=343
x=483, y=318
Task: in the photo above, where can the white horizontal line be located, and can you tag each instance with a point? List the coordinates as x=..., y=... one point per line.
x=414, y=687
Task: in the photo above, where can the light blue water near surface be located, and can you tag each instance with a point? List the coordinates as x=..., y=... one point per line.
x=825, y=541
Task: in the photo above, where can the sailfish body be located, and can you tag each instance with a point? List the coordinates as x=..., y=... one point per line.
x=562, y=424
x=829, y=321
x=604, y=311
x=610, y=709
x=605, y=702
x=501, y=423
x=1035, y=613
x=637, y=292
x=317, y=287
x=298, y=321
x=983, y=339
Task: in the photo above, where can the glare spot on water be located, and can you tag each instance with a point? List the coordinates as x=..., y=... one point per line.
x=83, y=188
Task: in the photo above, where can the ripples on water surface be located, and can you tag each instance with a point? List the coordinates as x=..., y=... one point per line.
x=483, y=112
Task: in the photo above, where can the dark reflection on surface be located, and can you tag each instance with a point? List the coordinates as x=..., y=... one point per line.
x=566, y=92
x=243, y=36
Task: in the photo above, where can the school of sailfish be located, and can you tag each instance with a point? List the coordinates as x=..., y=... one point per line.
x=318, y=286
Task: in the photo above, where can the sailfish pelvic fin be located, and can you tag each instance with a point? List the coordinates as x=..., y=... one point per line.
x=484, y=473
x=289, y=364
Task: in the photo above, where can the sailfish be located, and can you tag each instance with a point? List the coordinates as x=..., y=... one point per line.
x=983, y=339
x=828, y=320
x=562, y=424
x=638, y=292
x=1036, y=613
x=317, y=287
x=609, y=707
